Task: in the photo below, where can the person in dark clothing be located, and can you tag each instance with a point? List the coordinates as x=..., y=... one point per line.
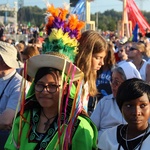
x=147, y=34
x=1, y=32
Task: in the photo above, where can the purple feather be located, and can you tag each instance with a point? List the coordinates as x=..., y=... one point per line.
x=58, y=23
x=73, y=33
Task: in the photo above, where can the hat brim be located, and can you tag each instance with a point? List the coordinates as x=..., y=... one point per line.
x=53, y=61
x=9, y=61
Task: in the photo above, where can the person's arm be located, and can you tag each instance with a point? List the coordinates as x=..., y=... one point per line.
x=6, y=119
x=85, y=137
x=16, y=141
x=9, y=104
x=96, y=115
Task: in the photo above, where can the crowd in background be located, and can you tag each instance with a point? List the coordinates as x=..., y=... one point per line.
x=132, y=57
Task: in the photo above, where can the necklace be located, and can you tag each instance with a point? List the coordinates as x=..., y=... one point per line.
x=140, y=143
x=48, y=120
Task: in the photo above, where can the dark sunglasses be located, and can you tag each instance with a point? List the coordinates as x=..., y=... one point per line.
x=132, y=49
x=121, y=50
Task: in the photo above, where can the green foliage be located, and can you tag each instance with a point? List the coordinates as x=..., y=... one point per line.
x=10, y=14
x=147, y=16
x=34, y=15
x=109, y=19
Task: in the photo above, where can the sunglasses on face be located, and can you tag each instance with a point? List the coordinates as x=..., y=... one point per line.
x=132, y=49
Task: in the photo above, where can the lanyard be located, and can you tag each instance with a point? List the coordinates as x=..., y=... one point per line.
x=6, y=85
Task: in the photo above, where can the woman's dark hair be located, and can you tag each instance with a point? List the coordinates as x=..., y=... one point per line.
x=132, y=89
x=44, y=71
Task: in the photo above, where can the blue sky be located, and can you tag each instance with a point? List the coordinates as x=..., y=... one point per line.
x=97, y=5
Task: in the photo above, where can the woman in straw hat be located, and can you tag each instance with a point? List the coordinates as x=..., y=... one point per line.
x=52, y=117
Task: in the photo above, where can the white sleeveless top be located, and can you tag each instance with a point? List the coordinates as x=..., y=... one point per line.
x=143, y=70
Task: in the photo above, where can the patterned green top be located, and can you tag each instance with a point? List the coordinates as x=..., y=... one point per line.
x=84, y=136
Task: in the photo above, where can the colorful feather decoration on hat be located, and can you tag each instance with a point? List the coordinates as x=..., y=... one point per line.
x=63, y=31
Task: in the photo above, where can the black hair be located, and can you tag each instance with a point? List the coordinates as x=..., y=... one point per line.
x=44, y=71
x=132, y=89
x=1, y=32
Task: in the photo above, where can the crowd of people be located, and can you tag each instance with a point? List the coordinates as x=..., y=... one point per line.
x=71, y=89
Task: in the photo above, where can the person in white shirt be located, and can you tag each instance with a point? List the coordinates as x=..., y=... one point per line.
x=107, y=113
x=135, y=54
x=133, y=100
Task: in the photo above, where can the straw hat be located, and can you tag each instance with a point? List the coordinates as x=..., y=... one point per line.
x=53, y=61
x=9, y=54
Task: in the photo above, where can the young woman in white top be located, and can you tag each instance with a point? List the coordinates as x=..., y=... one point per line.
x=136, y=53
x=133, y=99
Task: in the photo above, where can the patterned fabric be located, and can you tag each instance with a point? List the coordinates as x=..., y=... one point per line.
x=84, y=135
x=42, y=139
x=103, y=83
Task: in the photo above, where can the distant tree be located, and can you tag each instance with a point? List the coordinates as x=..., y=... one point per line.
x=109, y=19
x=147, y=16
x=34, y=15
